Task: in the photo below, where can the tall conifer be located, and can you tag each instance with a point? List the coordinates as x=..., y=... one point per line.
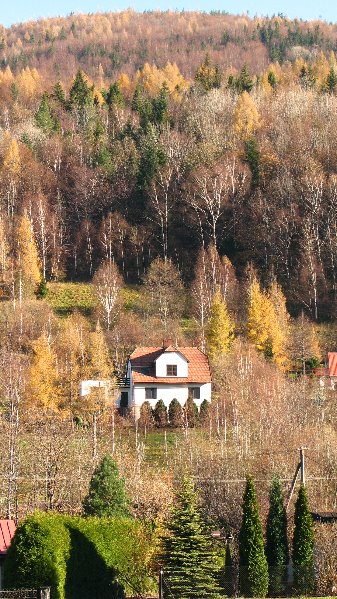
x=303, y=545
x=277, y=551
x=252, y=559
x=189, y=564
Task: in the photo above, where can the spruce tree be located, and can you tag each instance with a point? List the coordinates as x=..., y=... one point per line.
x=204, y=412
x=252, y=559
x=189, y=564
x=43, y=117
x=191, y=412
x=107, y=495
x=277, y=551
x=81, y=94
x=303, y=545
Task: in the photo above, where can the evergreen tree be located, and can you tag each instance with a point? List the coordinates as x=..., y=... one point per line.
x=208, y=75
x=42, y=289
x=81, y=94
x=175, y=414
x=253, y=160
x=114, y=95
x=277, y=551
x=227, y=580
x=43, y=117
x=107, y=495
x=244, y=82
x=145, y=415
x=188, y=560
x=252, y=560
x=219, y=329
x=160, y=106
x=58, y=93
x=160, y=414
x=303, y=545
x=331, y=81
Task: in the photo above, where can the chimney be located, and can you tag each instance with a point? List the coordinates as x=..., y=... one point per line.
x=167, y=343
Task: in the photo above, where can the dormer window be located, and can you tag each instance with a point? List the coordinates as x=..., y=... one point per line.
x=171, y=370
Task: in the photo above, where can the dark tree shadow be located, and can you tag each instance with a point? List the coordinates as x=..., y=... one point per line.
x=88, y=577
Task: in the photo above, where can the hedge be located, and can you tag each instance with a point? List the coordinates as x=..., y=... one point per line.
x=81, y=557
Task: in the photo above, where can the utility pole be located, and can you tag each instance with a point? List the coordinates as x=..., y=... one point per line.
x=299, y=468
x=161, y=583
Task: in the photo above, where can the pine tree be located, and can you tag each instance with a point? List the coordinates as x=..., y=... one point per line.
x=208, y=75
x=160, y=414
x=42, y=290
x=188, y=560
x=303, y=546
x=219, y=329
x=114, y=95
x=107, y=496
x=331, y=81
x=244, y=82
x=59, y=94
x=175, y=414
x=277, y=551
x=252, y=560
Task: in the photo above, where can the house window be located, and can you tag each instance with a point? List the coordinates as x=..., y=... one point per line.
x=145, y=370
x=150, y=393
x=194, y=392
x=171, y=370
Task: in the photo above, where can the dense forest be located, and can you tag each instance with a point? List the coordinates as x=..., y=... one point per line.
x=167, y=174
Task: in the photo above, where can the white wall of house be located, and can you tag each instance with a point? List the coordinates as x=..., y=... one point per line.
x=86, y=386
x=173, y=358
x=169, y=392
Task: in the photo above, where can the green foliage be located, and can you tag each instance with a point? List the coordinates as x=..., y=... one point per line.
x=160, y=414
x=253, y=160
x=107, y=495
x=303, y=545
x=80, y=94
x=67, y=297
x=114, y=95
x=188, y=560
x=38, y=554
x=160, y=106
x=152, y=158
x=331, y=81
x=277, y=551
x=44, y=118
x=58, y=93
x=42, y=290
x=252, y=559
x=272, y=79
x=175, y=414
x=244, y=82
x=208, y=75
x=81, y=557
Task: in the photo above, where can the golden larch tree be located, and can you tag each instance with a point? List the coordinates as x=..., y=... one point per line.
x=219, y=329
x=42, y=390
x=279, y=326
x=246, y=116
x=27, y=267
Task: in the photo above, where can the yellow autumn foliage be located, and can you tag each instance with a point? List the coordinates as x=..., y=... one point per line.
x=246, y=116
x=42, y=389
x=219, y=329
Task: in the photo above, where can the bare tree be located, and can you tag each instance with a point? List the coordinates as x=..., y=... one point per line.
x=108, y=283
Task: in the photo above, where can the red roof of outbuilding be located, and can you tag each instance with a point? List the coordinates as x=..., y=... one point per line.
x=7, y=531
x=332, y=357
x=144, y=357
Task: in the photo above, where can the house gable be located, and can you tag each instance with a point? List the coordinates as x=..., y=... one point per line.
x=171, y=364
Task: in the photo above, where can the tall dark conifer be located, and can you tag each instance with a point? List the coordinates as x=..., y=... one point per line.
x=252, y=560
x=277, y=551
x=303, y=545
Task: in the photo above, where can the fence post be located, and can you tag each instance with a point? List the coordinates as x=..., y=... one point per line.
x=161, y=585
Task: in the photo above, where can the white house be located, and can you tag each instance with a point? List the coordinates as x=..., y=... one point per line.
x=165, y=373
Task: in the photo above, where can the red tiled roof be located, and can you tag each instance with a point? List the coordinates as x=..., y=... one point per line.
x=332, y=357
x=144, y=357
x=7, y=530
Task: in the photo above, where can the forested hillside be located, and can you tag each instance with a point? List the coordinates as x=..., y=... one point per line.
x=167, y=174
